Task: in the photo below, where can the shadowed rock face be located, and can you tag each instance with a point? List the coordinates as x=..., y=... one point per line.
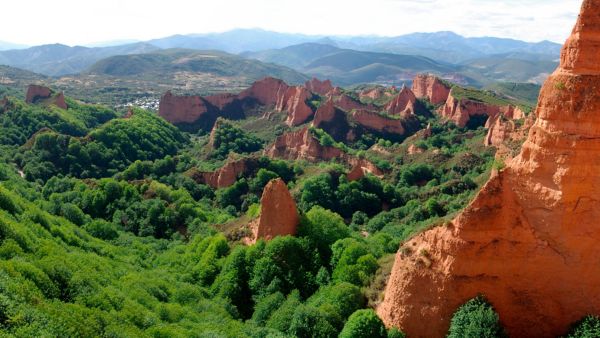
x=194, y=112
x=403, y=104
x=41, y=94
x=333, y=120
x=278, y=215
x=227, y=175
x=529, y=240
x=461, y=111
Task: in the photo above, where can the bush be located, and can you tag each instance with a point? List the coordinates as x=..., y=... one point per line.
x=102, y=229
x=588, y=327
x=476, y=318
x=364, y=323
x=323, y=228
x=309, y=322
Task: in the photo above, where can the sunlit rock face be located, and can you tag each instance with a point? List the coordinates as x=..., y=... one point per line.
x=529, y=240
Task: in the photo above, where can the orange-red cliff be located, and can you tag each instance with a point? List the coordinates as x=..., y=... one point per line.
x=430, y=87
x=36, y=94
x=529, y=240
x=278, y=213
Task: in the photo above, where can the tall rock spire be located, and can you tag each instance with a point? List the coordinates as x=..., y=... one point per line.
x=529, y=240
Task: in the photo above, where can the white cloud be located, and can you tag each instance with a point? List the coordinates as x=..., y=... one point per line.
x=79, y=22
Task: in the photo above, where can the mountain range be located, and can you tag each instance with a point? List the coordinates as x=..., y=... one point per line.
x=203, y=63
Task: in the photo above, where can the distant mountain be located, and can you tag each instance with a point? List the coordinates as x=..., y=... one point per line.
x=347, y=67
x=168, y=62
x=297, y=56
x=506, y=69
x=449, y=46
x=57, y=59
x=234, y=41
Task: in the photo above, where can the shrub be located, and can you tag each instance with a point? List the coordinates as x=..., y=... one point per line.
x=588, y=327
x=476, y=318
x=364, y=323
x=102, y=229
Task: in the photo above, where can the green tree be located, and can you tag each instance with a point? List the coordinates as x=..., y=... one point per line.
x=476, y=318
x=364, y=324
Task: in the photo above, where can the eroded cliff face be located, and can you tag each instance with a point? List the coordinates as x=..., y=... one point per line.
x=430, y=87
x=278, y=215
x=319, y=87
x=529, y=240
x=403, y=104
x=333, y=120
x=182, y=109
x=225, y=176
x=295, y=103
x=301, y=145
x=44, y=95
x=378, y=123
x=462, y=110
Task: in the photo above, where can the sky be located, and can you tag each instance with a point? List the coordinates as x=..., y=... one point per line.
x=34, y=22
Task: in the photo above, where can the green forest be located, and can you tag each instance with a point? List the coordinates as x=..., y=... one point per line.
x=104, y=233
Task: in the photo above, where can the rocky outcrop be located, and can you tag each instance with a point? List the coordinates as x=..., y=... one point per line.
x=348, y=104
x=225, y=176
x=499, y=130
x=301, y=145
x=266, y=92
x=182, y=109
x=529, y=240
x=319, y=87
x=333, y=120
x=378, y=123
x=278, y=215
x=403, y=104
x=375, y=93
x=361, y=167
x=294, y=102
x=462, y=110
x=430, y=87
x=194, y=112
x=45, y=95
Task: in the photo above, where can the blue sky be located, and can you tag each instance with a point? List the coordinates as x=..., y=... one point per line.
x=88, y=21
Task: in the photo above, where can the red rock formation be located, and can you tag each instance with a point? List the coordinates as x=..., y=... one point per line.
x=225, y=176
x=430, y=87
x=266, y=92
x=361, y=167
x=45, y=95
x=301, y=145
x=294, y=101
x=403, y=104
x=182, y=109
x=375, y=93
x=278, y=215
x=529, y=240
x=347, y=103
x=499, y=130
x=319, y=87
x=378, y=123
x=221, y=101
x=333, y=120
x=460, y=111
